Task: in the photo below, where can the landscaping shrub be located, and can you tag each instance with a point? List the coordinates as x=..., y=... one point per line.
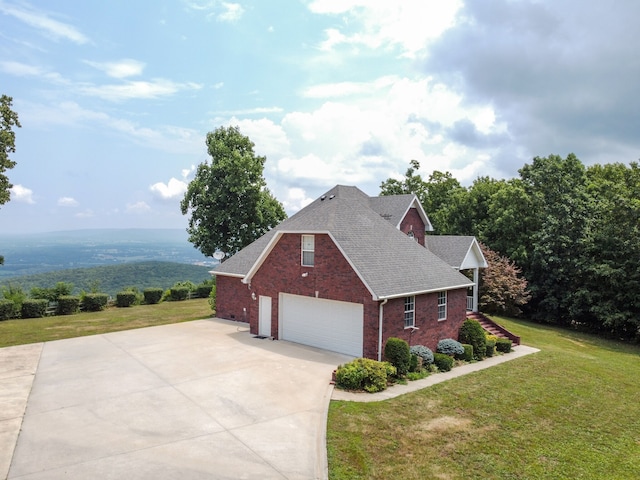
x=363, y=374
x=425, y=353
x=94, y=302
x=7, y=309
x=467, y=356
x=503, y=345
x=471, y=332
x=152, y=295
x=68, y=305
x=491, y=346
x=203, y=290
x=450, y=347
x=178, y=293
x=212, y=299
x=34, y=307
x=443, y=361
x=126, y=298
x=396, y=352
x=415, y=363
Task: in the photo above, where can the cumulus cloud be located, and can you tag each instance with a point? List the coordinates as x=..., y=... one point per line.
x=22, y=194
x=174, y=188
x=67, y=202
x=216, y=9
x=137, y=89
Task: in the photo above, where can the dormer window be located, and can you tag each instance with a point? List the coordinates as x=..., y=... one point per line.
x=308, y=250
x=410, y=235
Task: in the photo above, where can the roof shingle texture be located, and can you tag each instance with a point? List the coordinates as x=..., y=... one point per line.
x=389, y=262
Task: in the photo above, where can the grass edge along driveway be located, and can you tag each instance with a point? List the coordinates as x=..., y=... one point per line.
x=569, y=411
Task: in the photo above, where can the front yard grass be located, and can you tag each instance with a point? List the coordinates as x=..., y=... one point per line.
x=113, y=319
x=570, y=411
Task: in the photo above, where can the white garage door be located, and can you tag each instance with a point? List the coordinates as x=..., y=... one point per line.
x=327, y=324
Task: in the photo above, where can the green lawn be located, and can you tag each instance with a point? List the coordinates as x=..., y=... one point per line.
x=32, y=330
x=570, y=411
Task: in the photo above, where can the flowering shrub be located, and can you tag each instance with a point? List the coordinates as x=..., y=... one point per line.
x=449, y=346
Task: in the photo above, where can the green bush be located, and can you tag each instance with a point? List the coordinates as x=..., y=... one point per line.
x=471, y=332
x=449, y=346
x=94, y=302
x=212, y=299
x=424, y=352
x=363, y=374
x=415, y=363
x=61, y=289
x=443, y=361
x=68, y=305
x=126, y=298
x=491, y=346
x=467, y=356
x=178, y=293
x=34, y=307
x=7, y=309
x=203, y=290
x=152, y=295
x=396, y=352
x=503, y=345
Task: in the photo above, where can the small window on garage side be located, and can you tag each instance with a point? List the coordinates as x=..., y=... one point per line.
x=442, y=305
x=409, y=312
x=308, y=249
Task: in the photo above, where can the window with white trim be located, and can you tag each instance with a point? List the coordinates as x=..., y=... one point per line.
x=409, y=312
x=308, y=250
x=442, y=305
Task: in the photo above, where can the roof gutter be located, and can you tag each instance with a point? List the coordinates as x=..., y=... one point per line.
x=380, y=321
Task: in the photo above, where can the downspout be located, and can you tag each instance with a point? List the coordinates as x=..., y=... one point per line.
x=381, y=315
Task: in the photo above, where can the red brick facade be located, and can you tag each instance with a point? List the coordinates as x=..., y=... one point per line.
x=332, y=278
x=412, y=222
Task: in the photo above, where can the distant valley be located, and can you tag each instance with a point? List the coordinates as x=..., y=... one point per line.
x=68, y=253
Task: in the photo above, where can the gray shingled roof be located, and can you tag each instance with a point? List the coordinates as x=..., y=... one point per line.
x=388, y=261
x=450, y=248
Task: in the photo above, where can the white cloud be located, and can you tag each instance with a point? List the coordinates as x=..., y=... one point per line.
x=220, y=10
x=22, y=194
x=67, y=202
x=345, y=89
x=137, y=89
x=42, y=21
x=20, y=69
x=137, y=208
x=296, y=199
x=174, y=188
x=374, y=24
x=120, y=69
x=88, y=213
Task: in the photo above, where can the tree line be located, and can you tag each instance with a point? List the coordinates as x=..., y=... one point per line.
x=572, y=230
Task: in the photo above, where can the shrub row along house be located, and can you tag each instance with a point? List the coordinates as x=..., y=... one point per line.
x=349, y=271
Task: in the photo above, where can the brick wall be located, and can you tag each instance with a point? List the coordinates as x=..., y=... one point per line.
x=430, y=330
x=333, y=278
x=413, y=222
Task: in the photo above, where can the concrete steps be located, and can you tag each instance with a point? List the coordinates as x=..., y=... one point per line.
x=493, y=328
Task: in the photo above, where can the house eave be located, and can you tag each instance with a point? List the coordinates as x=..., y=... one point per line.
x=422, y=292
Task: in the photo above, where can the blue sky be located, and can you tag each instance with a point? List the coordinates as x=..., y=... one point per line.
x=115, y=98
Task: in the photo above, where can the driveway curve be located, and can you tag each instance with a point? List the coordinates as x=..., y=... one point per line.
x=202, y=399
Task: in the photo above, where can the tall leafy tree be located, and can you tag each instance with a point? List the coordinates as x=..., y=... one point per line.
x=228, y=201
x=558, y=198
x=8, y=120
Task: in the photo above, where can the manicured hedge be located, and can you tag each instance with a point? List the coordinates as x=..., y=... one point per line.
x=203, y=291
x=152, y=295
x=471, y=332
x=94, y=302
x=503, y=345
x=68, y=305
x=449, y=346
x=34, y=308
x=424, y=352
x=7, y=309
x=364, y=374
x=443, y=361
x=178, y=293
x=125, y=299
x=396, y=352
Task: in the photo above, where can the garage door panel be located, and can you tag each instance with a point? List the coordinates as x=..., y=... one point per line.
x=327, y=324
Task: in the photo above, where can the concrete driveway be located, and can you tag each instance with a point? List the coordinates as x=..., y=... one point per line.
x=202, y=399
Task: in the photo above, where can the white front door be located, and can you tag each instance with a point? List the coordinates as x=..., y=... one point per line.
x=264, y=316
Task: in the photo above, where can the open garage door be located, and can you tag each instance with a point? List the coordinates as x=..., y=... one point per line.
x=327, y=324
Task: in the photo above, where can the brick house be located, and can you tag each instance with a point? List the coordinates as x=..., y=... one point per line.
x=347, y=272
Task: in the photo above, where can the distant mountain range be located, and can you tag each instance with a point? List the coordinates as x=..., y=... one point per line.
x=29, y=254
